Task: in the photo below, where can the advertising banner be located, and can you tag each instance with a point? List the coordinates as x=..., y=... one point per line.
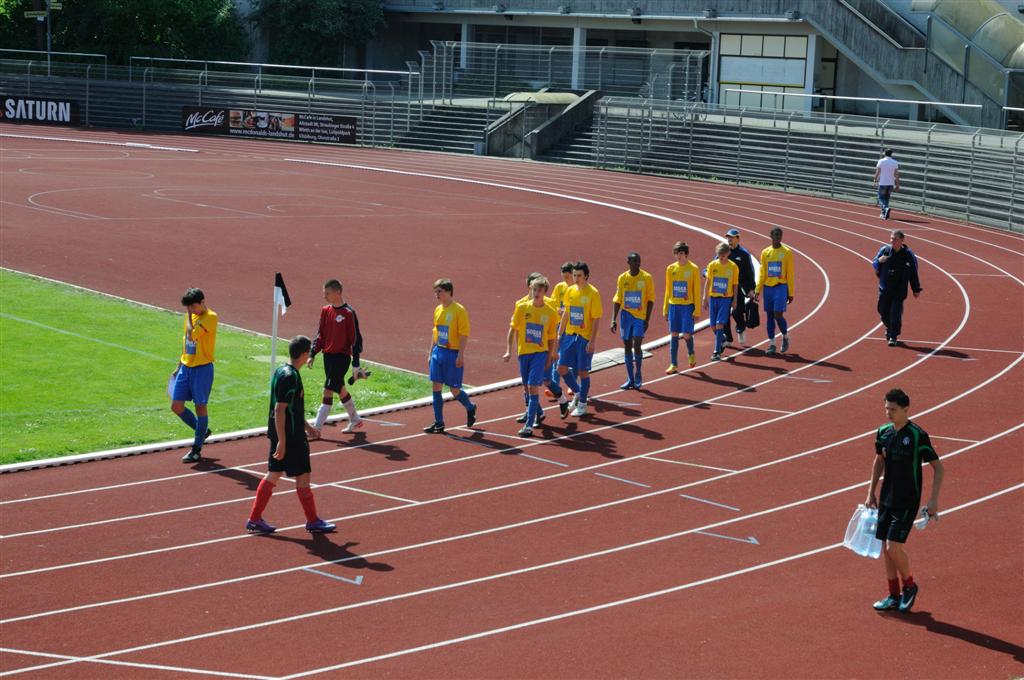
x=39, y=111
x=307, y=127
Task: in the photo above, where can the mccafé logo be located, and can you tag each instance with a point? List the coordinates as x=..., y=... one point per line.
x=208, y=118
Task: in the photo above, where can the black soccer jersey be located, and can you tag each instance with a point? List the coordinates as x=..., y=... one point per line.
x=905, y=451
x=286, y=388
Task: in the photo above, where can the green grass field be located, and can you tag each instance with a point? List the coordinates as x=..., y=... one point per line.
x=82, y=372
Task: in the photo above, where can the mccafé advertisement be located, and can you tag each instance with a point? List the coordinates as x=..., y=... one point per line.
x=306, y=127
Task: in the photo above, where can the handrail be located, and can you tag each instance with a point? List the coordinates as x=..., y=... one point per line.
x=206, y=64
x=64, y=54
x=863, y=99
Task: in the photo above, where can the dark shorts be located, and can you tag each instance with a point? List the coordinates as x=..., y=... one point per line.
x=296, y=458
x=894, y=524
x=336, y=366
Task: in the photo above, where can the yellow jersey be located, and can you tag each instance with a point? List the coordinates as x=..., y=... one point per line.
x=682, y=286
x=558, y=295
x=723, y=278
x=197, y=346
x=634, y=292
x=450, y=323
x=583, y=308
x=776, y=268
x=535, y=326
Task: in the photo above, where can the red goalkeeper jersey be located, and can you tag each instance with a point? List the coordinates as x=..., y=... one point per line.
x=338, y=333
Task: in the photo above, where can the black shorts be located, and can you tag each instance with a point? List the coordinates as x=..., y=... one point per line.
x=336, y=366
x=296, y=457
x=894, y=523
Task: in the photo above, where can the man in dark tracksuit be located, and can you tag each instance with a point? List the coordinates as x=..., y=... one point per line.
x=895, y=266
x=741, y=256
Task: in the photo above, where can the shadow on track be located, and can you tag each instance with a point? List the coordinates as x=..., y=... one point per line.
x=926, y=620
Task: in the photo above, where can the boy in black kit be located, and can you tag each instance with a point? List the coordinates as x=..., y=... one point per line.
x=900, y=447
x=289, y=444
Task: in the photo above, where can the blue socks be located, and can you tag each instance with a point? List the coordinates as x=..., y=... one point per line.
x=202, y=423
x=189, y=419
x=570, y=382
x=532, y=410
x=783, y=326
x=673, y=350
x=438, y=407
x=629, y=366
x=770, y=325
x=689, y=344
x=584, y=389
x=463, y=399
x=719, y=341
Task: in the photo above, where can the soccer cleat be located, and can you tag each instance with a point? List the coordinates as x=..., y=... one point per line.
x=770, y=350
x=320, y=527
x=435, y=428
x=638, y=381
x=549, y=394
x=908, y=597
x=563, y=409
x=628, y=385
x=525, y=432
x=539, y=419
x=693, y=360
x=892, y=342
x=470, y=417
x=580, y=410
x=881, y=215
x=353, y=424
x=523, y=418
x=672, y=369
x=742, y=335
x=717, y=356
x=569, y=393
x=887, y=212
x=193, y=456
x=207, y=435
x=785, y=344
x=259, y=526
x=890, y=602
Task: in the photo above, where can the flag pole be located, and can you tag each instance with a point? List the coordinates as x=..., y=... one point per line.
x=273, y=337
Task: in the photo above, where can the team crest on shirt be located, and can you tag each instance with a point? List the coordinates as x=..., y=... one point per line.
x=584, y=299
x=339, y=318
x=448, y=317
x=906, y=441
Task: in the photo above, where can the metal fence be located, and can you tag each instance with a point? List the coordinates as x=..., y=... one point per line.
x=456, y=69
x=973, y=174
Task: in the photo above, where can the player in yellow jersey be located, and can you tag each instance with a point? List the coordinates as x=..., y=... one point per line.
x=449, y=338
x=776, y=280
x=535, y=323
x=631, y=314
x=682, y=303
x=577, y=335
x=550, y=375
x=719, y=290
x=193, y=379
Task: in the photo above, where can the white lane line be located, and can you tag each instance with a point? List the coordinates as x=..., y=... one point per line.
x=542, y=460
x=577, y=558
x=150, y=147
x=954, y=347
x=339, y=485
x=108, y=662
x=357, y=581
x=704, y=500
x=54, y=329
x=620, y=479
x=954, y=439
x=696, y=465
x=965, y=274
x=384, y=423
x=748, y=539
x=814, y=380
x=933, y=355
x=752, y=408
x=53, y=211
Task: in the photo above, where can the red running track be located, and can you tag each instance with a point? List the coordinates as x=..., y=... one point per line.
x=687, y=530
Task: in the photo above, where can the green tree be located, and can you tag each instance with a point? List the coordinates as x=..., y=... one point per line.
x=316, y=32
x=194, y=29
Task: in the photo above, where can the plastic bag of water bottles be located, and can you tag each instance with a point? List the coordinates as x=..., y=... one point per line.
x=860, y=532
x=923, y=518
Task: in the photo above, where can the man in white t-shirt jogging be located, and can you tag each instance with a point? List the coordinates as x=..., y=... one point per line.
x=887, y=179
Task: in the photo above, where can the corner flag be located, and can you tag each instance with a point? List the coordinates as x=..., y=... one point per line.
x=281, y=299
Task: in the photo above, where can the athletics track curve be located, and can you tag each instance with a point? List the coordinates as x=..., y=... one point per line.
x=685, y=530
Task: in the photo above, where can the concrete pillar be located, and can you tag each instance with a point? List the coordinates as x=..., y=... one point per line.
x=467, y=37
x=713, y=76
x=809, y=69
x=579, y=44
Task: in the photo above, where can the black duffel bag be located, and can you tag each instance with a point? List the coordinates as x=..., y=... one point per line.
x=752, y=318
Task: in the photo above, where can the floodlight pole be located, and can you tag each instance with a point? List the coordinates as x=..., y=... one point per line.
x=49, y=43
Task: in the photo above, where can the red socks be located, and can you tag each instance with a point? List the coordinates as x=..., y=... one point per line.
x=894, y=587
x=908, y=582
x=263, y=493
x=305, y=495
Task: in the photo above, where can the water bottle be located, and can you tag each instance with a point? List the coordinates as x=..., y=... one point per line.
x=922, y=519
